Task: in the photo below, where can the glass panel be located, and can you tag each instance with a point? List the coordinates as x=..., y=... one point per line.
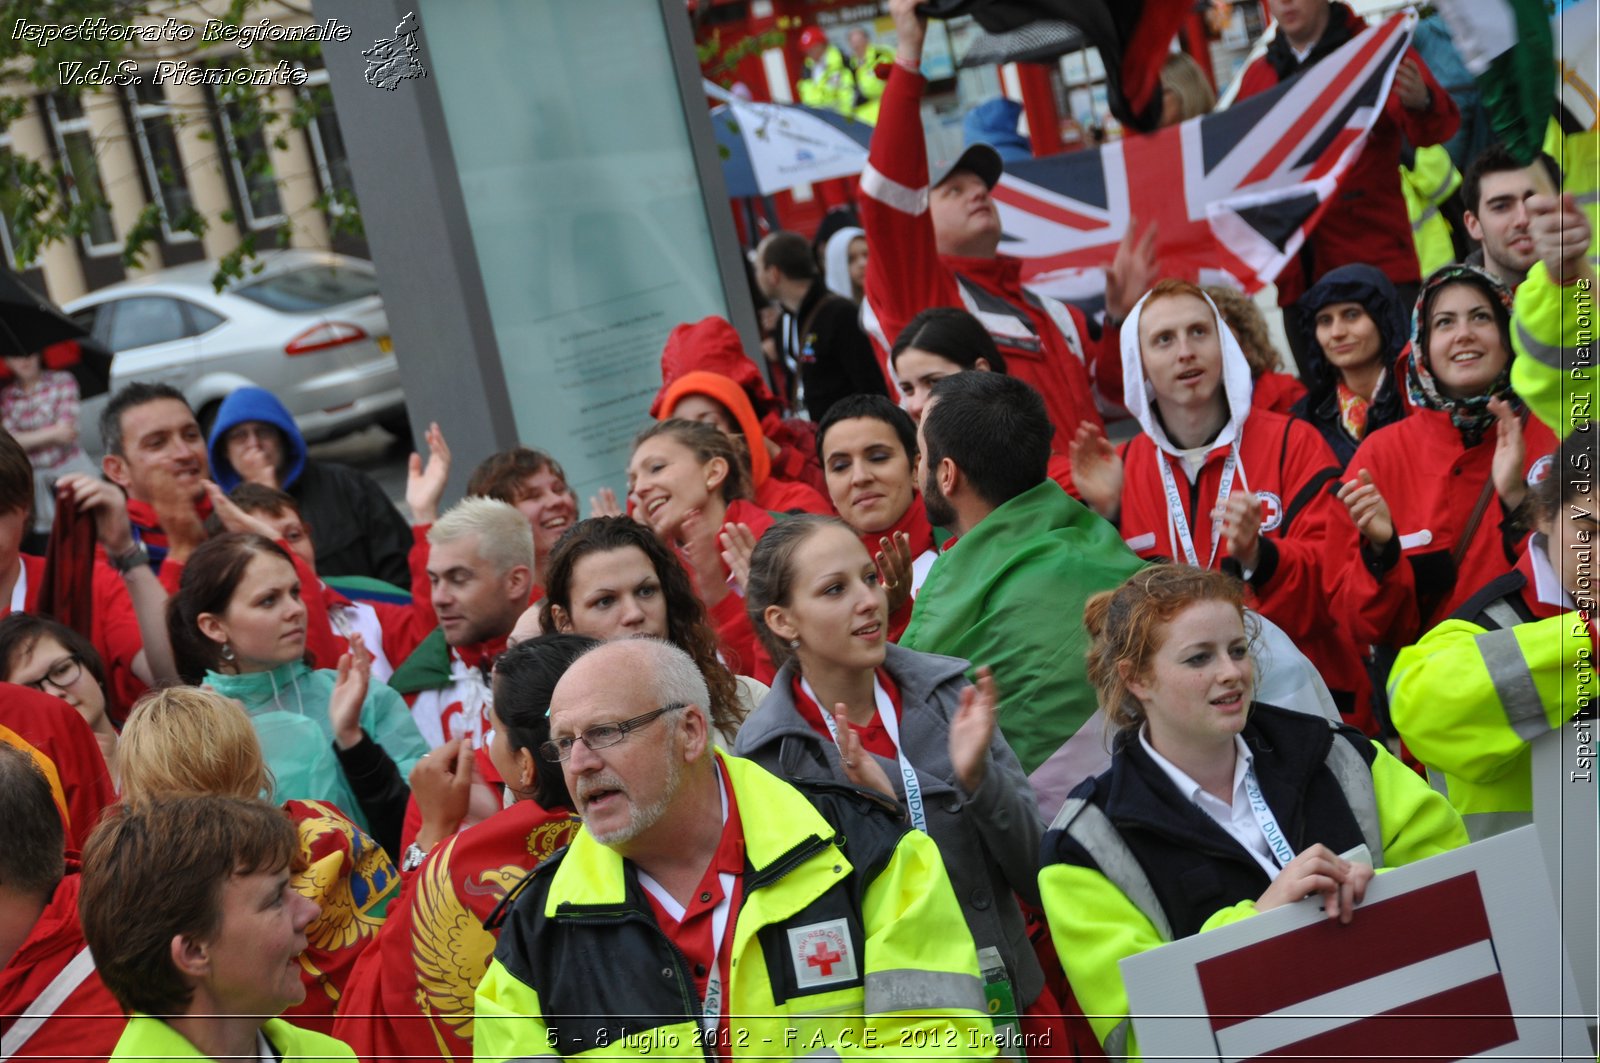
x=162, y=140
x=334, y=156
x=254, y=167
x=316, y=288
x=141, y=322
x=84, y=171
x=201, y=320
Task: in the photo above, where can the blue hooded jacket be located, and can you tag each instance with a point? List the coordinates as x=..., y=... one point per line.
x=254, y=404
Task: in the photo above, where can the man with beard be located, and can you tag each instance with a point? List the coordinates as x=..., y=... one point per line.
x=1010, y=591
x=745, y=915
x=1495, y=191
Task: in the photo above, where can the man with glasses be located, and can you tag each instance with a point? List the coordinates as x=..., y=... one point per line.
x=708, y=905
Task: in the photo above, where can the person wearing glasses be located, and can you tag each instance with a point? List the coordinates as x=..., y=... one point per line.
x=708, y=905
x=52, y=658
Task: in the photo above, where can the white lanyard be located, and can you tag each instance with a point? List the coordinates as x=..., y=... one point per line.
x=711, y=1004
x=19, y=592
x=891, y=727
x=1266, y=820
x=1178, y=524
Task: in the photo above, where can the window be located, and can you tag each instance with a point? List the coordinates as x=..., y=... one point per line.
x=313, y=288
x=327, y=142
x=157, y=138
x=8, y=247
x=144, y=321
x=253, y=174
x=95, y=320
x=75, y=143
x=201, y=320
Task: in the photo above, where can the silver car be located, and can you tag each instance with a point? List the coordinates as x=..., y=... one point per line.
x=309, y=327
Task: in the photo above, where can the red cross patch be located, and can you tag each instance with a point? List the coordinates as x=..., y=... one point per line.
x=822, y=954
x=1271, y=510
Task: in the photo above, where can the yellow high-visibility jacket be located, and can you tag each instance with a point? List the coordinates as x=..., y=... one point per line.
x=827, y=84
x=1479, y=687
x=583, y=970
x=1426, y=184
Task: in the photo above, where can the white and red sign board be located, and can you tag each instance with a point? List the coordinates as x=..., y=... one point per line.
x=1455, y=957
x=1566, y=813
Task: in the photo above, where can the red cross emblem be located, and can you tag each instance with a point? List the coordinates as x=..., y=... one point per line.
x=824, y=958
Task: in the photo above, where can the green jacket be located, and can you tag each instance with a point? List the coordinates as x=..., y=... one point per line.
x=148, y=1039
x=1010, y=594
x=583, y=970
x=1473, y=693
x=289, y=707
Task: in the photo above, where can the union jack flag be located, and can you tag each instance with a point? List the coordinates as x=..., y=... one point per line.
x=1234, y=193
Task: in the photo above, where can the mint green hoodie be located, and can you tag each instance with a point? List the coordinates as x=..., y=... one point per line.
x=289, y=707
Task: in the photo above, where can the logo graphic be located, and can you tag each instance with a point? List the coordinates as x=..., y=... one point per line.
x=1541, y=470
x=1271, y=510
x=392, y=61
x=822, y=954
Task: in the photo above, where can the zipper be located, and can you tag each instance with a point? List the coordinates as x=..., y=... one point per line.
x=789, y=861
x=625, y=915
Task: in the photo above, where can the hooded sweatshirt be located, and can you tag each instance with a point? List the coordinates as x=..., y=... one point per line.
x=1168, y=494
x=289, y=708
x=356, y=529
x=1362, y=284
x=836, y=261
x=771, y=493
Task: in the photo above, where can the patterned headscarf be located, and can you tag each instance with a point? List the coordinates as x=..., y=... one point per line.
x=1470, y=415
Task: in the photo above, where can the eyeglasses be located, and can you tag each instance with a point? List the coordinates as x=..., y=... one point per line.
x=61, y=675
x=606, y=734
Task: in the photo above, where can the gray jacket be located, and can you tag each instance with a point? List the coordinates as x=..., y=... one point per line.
x=989, y=840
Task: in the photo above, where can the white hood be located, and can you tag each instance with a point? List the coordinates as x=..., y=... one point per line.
x=1140, y=399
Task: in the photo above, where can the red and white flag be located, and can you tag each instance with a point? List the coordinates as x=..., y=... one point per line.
x=1433, y=990
x=1235, y=193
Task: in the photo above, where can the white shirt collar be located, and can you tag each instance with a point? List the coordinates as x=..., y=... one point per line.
x=1546, y=584
x=1186, y=785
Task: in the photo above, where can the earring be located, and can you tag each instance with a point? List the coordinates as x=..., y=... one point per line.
x=227, y=651
x=794, y=644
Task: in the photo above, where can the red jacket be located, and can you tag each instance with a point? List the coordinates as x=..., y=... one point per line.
x=1277, y=392
x=55, y=736
x=87, y=1023
x=1288, y=466
x=1431, y=482
x=906, y=274
x=1367, y=219
x=410, y=994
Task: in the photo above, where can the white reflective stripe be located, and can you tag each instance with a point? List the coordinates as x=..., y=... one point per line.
x=1426, y=216
x=891, y=727
x=19, y=593
x=1481, y=825
x=1062, y=318
x=47, y=1003
x=916, y=990
x=1355, y=782
x=1502, y=613
x=1281, y=851
x=1513, y=682
x=892, y=193
x=1087, y=825
x=1116, y=1042
x=1554, y=356
x=1141, y=542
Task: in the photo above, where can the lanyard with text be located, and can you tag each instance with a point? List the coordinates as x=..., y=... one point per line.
x=1178, y=524
x=891, y=727
x=1266, y=820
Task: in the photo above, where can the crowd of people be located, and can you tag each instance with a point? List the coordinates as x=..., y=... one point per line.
x=893, y=706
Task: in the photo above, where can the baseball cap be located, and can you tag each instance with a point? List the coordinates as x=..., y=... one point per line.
x=980, y=159
x=811, y=35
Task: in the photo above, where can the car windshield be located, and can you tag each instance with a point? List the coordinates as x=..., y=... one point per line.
x=312, y=288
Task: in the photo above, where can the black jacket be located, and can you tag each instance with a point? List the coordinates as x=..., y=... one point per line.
x=356, y=529
x=824, y=338
x=1195, y=867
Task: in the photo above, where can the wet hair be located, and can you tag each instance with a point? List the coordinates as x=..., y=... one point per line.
x=207, y=585
x=995, y=428
x=705, y=442
x=1182, y=76
x=771, y=579
x=687, y=625
x=155, y=870
x=126, y=398
x=1571, y=475
x=21, y=632
x=525, y=677
x=1497, y=159
x=1243, y=318
x=790, y=253
x=33, y=859
x=874, y=408
x=183, y=739
x=1126, y=626
x=16, y=476
x=503, y=475
x=953, y=335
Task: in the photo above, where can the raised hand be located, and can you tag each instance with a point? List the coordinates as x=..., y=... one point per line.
x=106, y=502
x=232, y=517
x=1510, y=454
x=1368, y=509
x=1409, y=86
x=1561, y=236
x=425, y=484
x=442, y=784
x=1096, y=470
x=350, y=693
x=603, y=503
x=972, y=729
x=894, y=562
x=738, y=543
x=1241, y=527
x=860, y=767
x=1133, y=271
